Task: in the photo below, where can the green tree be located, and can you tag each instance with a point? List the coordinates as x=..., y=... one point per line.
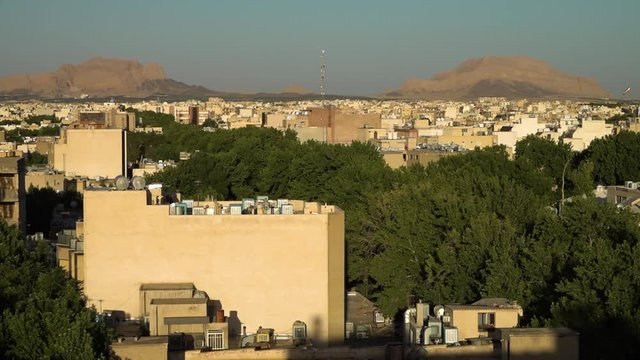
x=614, y=158
x=43, y=313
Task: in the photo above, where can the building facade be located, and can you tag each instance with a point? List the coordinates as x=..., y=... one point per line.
x=270, y=270
x=91, y=153
x=12, y=189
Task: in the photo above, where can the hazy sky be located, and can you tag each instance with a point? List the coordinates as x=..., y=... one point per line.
x=372, y=46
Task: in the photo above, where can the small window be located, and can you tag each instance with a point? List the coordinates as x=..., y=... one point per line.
x=486, y=320
x=215, y=339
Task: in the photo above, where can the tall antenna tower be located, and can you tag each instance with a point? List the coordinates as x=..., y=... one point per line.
x=323, y=72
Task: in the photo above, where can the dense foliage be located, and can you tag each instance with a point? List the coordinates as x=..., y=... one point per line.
x=41, y=203
x=469, y=226
x=18, y=135
x=615, y=158
x=35, y=158
x=42, y=312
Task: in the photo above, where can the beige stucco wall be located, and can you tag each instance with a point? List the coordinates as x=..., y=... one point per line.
x=12, y=189
x=91, y=153
x=466, y=320
x=541, y=347
x=40, y=180
x=130, y=350
x=271, y=269
x=319, y=134
x=62, y=254
x=78, y=263
x=395, y=159
x=468, y=142
x=161, y=311
x=146, y=296
x=300, y=353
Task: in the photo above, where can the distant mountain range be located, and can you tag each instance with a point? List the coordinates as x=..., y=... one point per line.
x=511, y=77
x=100, y=77
x=103, y=78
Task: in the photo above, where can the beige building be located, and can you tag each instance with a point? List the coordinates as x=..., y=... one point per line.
x=627, y=196
x=539, y=344
x=70, y=252
x=270, y=269
x=44, y=178
x=469, y=142
x=343, y=126
x=396, y=159
x=91, y=153
x=589, y=130
x=481, y=318
x=12, y=189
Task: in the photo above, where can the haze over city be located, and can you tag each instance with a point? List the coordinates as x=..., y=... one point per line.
x=399, y=180
x=372, y=47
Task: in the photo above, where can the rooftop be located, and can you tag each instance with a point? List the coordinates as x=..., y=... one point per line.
x=559, y=332
x=168, y=286
x=186, y=320
x=179, y=301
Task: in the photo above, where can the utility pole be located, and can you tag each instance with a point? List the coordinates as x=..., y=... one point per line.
x=323, y=72
x=564, y=170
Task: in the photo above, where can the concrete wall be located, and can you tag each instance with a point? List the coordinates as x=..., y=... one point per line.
x=12, y=190
x=130, y=350
x=319, y=134
x=157, y=326
x=345, y=126
x=540, y=343
x=40, y=180
x=339, y=352
x=468, y=142
x=541, y=348
x=466, y=320
x=91, y=153
x=271, y=269
x=486, y=351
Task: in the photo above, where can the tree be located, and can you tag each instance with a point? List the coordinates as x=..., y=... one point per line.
x=614, y=158
x=44, y=314
x=35, y=158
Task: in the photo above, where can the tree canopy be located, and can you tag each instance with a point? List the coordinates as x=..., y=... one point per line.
x=43, y=314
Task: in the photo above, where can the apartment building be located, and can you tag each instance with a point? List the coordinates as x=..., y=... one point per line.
x=91, y=153
x=12, y=189
x=270, y=262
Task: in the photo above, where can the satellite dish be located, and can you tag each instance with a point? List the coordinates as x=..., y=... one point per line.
x=122, y=183
x=439, y=311
x=138, y=182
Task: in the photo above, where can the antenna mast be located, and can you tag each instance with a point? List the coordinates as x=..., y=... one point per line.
x=323, y=72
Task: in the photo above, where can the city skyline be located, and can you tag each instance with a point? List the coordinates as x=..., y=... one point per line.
x=372, y=47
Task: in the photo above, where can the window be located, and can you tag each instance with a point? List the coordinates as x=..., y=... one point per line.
x=486, y=320
x=215, y=339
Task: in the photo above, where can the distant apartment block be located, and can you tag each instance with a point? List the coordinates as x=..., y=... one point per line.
x=342, y=126
x=91, y=153
x=110, y=119
x=269, y=262
x=12, y=189
x=43, y=177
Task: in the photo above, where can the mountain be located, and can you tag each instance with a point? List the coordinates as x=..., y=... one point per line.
x=100, y=77
x=507, y=76
x=295, y=89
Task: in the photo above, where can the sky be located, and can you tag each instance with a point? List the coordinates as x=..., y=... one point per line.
x=371, y=46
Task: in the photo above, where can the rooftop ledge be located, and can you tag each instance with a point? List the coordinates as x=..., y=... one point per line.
x=260, y=205
x=249, y=207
